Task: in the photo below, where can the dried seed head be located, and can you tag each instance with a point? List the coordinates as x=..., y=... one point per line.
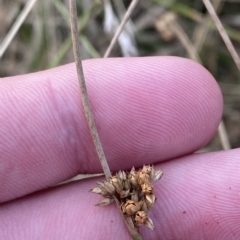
x=100, y=190
x=133, y=172
x=124, y=194
x=131, y=207
x=150, y=200
x=147, y=188
x=152, y=174
x=101, y=185
x=115, y=181
x=134, y=191
x=121, y=175
x=149, y=223
x=143, y=177
x=141, y=217
x=126, y=185
x=147, y=169
x=97, y=190
x=134, y=196
x=109, y=187
x=157, y=175
x=133, y=177
x=133, y=181
x=105, y=202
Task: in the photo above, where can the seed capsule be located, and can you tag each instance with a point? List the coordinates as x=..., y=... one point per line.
x=105, y=202
x=147, y=188
x=97, y=190
x=121, y=175
x=147, y=169
x=141, y=218
x=143, y=177
x=130, y=207
x=115, y=181
x=109, y=187
x=124, y=194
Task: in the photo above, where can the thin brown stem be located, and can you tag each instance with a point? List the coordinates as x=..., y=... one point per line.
x=84, y=94
x=16, y=26
x=223, y=136
x=120, y=28
x=88, y=112
x=223, y=33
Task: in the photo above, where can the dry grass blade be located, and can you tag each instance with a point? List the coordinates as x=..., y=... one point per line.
x=120, y=28
x=80, y=177
x=182, y=36
x=120, y=9
x=201, y=32
x=222, y=133
x=223, y=136
x=126, y=40
x=223, y=33
x=192, y=52
x=13, y=31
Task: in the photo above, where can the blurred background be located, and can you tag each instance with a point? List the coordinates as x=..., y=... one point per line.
x=156, y=28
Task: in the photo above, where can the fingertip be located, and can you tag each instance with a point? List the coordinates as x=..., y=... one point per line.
x=162, y=107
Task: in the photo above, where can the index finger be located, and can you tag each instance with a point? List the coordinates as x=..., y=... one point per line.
x=146, y=110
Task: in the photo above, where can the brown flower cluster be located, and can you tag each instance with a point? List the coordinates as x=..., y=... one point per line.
x=134, y=191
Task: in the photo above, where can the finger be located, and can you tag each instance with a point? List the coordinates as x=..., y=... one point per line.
x=146, y=110
x=198, y=198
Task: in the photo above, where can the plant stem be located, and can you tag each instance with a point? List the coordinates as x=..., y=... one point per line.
x=84, y=94
x=88, y=112
x=223, y=33
x=121, y=26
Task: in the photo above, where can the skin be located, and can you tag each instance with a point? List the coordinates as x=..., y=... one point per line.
x=156, y=110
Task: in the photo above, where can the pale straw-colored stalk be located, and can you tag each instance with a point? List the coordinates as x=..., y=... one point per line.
x=223, y=33
x=88, y=112
x=17, y=24
x=120, y=28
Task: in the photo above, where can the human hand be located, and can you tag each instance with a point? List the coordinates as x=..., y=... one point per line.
x=148, y=111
